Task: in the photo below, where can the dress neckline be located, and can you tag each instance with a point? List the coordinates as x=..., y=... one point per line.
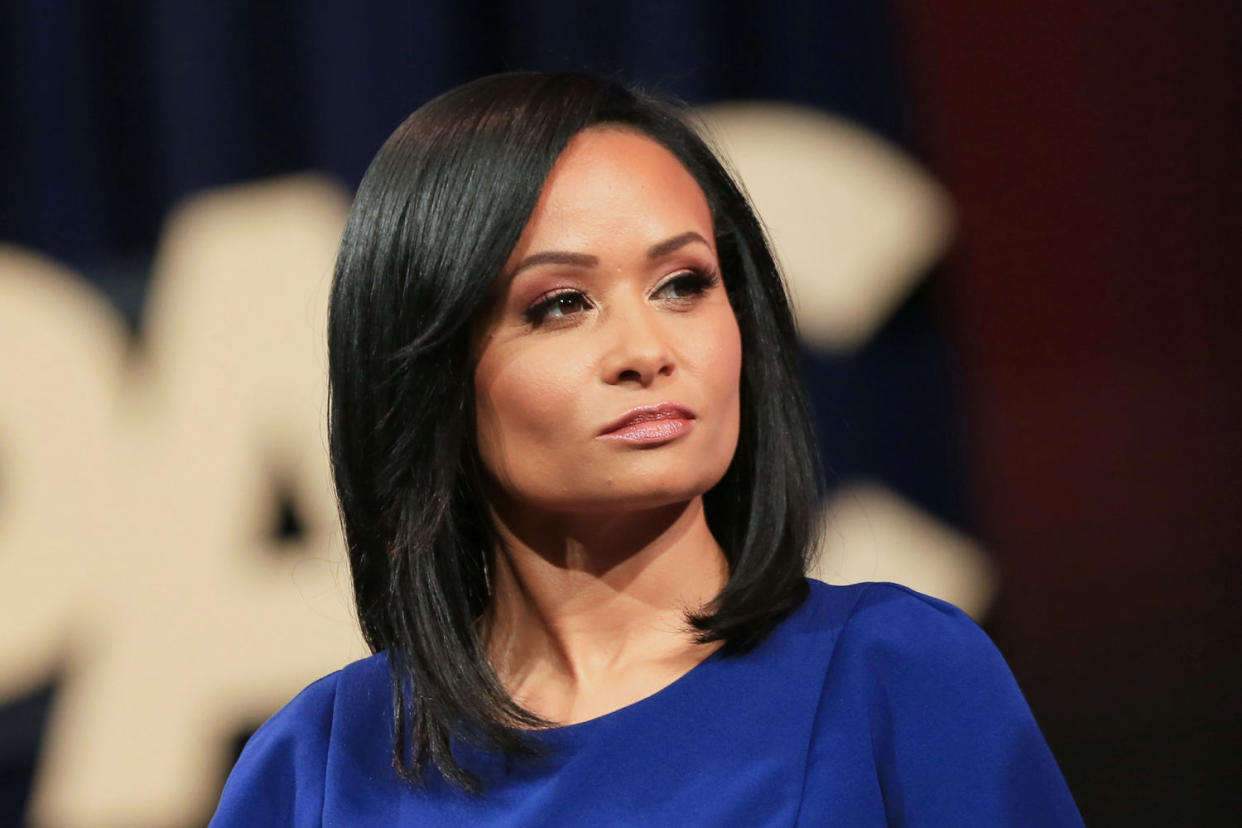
x=678, y=685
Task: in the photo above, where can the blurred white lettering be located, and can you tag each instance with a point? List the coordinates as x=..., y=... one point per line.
x=137, y=557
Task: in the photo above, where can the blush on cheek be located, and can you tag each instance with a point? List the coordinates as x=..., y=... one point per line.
x=728, y=364
x=487, y=439
x=534, y=402
x=727, y=359
x=525, y=416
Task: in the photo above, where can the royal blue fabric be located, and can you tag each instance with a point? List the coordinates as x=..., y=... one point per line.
x=869, y=705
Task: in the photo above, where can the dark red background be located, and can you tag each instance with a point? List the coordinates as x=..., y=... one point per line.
x=1093, y=151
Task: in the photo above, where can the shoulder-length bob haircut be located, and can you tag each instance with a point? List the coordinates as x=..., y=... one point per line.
x=436, y=216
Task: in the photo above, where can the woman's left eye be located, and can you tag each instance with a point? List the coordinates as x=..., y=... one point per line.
x=688, y=285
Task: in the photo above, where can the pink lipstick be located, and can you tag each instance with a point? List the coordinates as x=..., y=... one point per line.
x=650, y=424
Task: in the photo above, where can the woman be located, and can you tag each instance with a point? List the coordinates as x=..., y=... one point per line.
x=576, y=479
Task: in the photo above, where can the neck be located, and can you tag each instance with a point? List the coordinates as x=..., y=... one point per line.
x=580, y=597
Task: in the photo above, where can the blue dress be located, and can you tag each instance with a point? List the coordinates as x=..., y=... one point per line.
x=868, y=705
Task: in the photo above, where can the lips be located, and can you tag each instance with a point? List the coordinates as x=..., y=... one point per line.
x=648, y=413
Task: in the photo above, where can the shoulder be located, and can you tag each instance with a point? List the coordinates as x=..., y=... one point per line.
x=309, y=712
x=886, y=639
x=906, y=650
x=310, y=716
x=893, y=621
x=279, y=777
x=863, y=604
x=952, y=738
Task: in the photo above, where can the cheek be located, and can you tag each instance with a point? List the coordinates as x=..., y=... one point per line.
x=727, y=378
x=718, y=354
x=723, y=359
x=522, y=405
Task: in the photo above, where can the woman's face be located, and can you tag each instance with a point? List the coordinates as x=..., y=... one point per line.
x=610, y=308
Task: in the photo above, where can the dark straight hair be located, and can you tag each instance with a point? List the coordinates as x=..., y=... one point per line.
x=436, y=216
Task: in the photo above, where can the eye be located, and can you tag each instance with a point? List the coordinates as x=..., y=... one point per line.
x=688, y=285
x=556, y=306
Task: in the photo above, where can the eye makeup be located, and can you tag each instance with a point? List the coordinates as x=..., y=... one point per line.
x=566, y=302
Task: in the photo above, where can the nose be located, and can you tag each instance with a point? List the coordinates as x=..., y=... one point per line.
x=638, y=349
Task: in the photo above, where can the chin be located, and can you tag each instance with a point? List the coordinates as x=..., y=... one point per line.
x=641, y=497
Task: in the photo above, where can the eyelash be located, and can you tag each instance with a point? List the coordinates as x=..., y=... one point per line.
x=700, y=280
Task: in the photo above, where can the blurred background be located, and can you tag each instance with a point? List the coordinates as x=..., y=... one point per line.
x=1011, y=230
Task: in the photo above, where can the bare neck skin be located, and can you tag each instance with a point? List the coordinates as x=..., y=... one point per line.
x=588, y=610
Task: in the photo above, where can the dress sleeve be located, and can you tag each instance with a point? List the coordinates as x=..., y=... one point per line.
x=954, y=740
x=279, y=777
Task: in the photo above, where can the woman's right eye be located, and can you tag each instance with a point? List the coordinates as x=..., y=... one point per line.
x=556, y=306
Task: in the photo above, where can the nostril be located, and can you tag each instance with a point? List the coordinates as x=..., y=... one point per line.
x=630, y=375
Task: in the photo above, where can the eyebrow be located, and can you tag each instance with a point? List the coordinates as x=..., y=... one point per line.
x=585, y=260
x=675, y=243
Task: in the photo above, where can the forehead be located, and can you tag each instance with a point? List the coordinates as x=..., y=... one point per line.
x=608, y=177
